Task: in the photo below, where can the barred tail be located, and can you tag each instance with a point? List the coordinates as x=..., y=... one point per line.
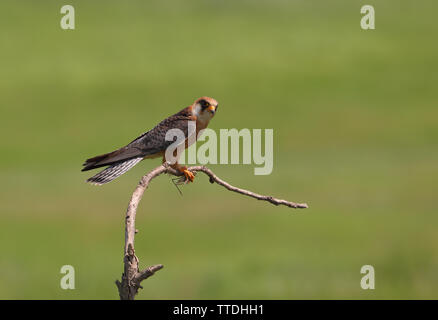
x=113, y=171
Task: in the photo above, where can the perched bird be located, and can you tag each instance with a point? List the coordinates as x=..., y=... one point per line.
x=152, y=144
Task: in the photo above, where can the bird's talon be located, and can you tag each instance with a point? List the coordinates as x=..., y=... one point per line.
x=189, y=176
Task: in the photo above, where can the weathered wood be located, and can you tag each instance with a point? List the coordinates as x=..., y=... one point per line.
x=132, y=276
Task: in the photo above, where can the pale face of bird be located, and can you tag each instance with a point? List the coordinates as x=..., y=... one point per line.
x=204, y=109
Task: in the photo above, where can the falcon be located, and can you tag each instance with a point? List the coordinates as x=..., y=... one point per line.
x=152, y=144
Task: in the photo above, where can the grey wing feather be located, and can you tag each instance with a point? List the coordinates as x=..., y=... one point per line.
x=149, y=143
x=114, y=171
x=154, y=140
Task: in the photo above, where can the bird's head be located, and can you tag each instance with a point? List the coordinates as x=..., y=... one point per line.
x=204, y=108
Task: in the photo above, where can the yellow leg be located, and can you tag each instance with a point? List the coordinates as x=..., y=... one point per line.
x=189, y=175
x=183, y=169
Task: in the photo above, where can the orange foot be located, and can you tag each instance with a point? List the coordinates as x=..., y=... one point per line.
x=189, y=175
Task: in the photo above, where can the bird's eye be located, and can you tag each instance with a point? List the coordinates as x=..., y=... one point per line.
x=204, y=104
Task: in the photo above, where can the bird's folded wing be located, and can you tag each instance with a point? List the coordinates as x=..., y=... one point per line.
x=149, y=143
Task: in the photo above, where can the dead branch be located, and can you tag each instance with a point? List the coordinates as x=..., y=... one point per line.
x=132, y=276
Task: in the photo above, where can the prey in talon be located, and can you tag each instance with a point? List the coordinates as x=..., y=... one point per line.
x=153, y=143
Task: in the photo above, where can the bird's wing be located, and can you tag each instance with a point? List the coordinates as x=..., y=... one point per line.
x=149, y=143
x=154, y=141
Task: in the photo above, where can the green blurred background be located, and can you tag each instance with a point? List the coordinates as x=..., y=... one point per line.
x=354, y=114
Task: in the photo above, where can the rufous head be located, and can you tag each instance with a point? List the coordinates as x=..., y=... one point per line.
x=204, y=108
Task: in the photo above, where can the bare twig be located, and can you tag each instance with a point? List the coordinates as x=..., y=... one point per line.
x=132, y=276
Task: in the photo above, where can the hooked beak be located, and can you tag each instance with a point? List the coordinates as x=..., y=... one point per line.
x=212, y=109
